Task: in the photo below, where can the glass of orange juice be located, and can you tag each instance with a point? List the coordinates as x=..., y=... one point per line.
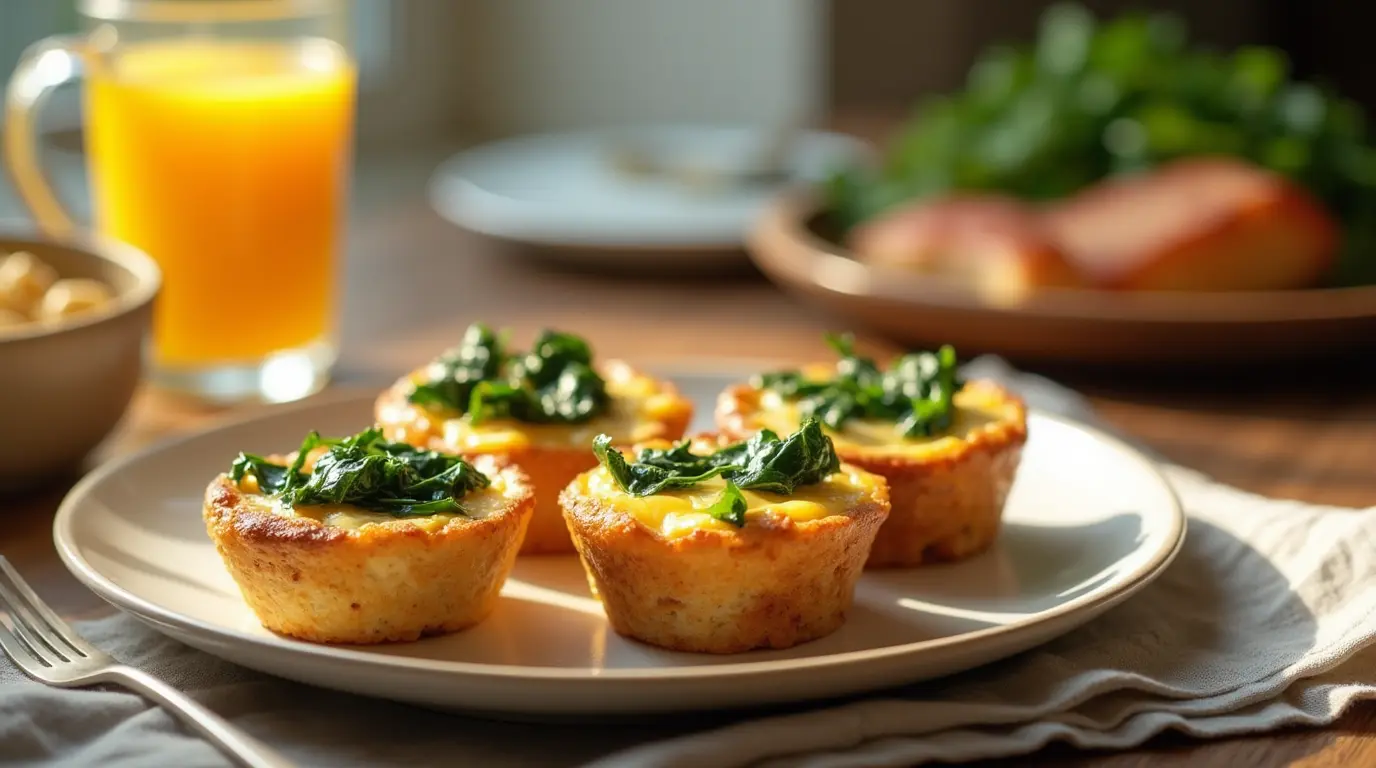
x=218, y=139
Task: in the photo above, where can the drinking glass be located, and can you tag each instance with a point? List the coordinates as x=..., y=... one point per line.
x=218, y=137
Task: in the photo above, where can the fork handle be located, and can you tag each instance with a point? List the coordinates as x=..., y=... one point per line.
x=245, y=749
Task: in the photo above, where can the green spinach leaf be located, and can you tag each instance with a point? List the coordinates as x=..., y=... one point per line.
x=766, y=463
x=271, y=477
x=762, y=463
x=915, y=392
x=451, y=378
x=648, y=478
x=730, y=507
x=552, y=383
x=368, y=472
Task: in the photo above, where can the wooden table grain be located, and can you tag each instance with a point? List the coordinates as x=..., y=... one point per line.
x=413, y=282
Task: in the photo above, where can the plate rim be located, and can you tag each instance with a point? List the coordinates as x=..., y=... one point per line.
x=140, y=607
x=446, y=185
x=781, y=227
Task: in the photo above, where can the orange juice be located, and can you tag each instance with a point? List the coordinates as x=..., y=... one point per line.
x=228, y=163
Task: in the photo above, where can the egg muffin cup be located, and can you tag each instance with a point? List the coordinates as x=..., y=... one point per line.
x=551, y=455
x=947, y=496
x=392, y=581
x=774, y=583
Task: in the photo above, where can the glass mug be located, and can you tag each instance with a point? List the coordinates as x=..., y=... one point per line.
x=218, y=140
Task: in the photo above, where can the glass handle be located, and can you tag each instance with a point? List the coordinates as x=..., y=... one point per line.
x=44, y=65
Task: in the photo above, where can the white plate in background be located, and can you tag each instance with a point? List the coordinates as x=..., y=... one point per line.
x=564, y=190
x=1089, y=522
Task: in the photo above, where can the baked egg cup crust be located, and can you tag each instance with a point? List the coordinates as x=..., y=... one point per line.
x=947, y=502
x=773, y=583
x=549, y=467
x=386, y=582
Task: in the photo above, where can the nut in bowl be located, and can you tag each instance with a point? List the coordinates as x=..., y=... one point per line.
x=360, y=540
x=74, y=314
x=719, y=546
x=949, y=449
x=539, y=409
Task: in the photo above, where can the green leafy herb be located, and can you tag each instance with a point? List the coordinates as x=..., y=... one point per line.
x=1090, y=99
x=368, y=472
x=762, y=463
x=915, y=393
x=730, y=507
x=552, y=383
x=451, y=379
x=646, y=477
x=271, y=477
x=766, y=463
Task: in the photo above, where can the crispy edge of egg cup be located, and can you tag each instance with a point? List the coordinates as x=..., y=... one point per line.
x=772, y=584
x=384, y=582
x=947, y=505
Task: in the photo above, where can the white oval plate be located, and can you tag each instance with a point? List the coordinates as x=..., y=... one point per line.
x=1089, y=522
x=563, y=190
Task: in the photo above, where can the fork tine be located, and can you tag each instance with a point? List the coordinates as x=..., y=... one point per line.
x=23, y=624
x=19, y=651
x=36, y=604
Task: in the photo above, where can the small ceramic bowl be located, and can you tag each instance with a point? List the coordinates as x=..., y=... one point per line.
x=65, y=385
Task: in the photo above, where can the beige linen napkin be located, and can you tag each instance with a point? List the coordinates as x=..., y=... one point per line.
x=1262, y=621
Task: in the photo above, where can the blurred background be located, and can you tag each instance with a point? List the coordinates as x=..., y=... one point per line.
x=381, y=173
x=484, y=68
x=436, y=78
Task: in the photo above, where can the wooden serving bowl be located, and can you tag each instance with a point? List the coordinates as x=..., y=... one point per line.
x=64, y=386
x=790, y=245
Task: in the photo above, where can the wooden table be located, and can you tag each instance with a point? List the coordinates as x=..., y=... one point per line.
x=414, y=282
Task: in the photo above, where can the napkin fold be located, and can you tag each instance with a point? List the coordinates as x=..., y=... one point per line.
x=1265, y=619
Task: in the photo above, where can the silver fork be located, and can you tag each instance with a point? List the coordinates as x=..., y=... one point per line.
x=42, y=645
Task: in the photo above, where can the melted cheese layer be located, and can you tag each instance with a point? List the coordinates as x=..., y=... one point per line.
x=680, y=512
x=638, y=405
x=974, y=409
x=477, y=505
